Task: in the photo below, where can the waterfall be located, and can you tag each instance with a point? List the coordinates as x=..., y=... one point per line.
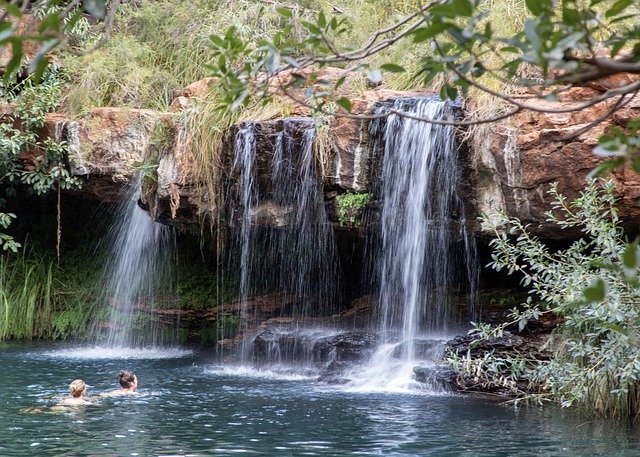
x=284, y=240
x=138, y=273
x=245, y=148
x=425, y=254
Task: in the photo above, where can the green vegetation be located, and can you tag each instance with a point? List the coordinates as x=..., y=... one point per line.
x=25, y=295
x=350, y=208
x=460, y=45
x=159, y=47
x=595, y=362
x=40, y=300
x=60, y=22
x=45, y=170
x=199, y=288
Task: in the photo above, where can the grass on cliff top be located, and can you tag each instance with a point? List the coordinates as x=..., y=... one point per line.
x=159, y=47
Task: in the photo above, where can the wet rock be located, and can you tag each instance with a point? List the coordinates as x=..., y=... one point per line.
x=424, y=349
x=270, y=346
x=438, y=376
x=353, y=346
x=508, y=343
x=508, y=346
x=279, y=345
x=333, y=373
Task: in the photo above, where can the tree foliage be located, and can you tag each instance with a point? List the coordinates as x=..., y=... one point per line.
x=559, y=45
x=58, y=19
x=596, y=362
x=20, y=135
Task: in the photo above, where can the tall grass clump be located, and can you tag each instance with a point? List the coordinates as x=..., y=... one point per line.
x=203, y=137
x=26, y=296
x=38, y=299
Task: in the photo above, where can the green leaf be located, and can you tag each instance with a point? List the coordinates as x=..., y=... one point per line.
x=618, y=7
x=634, y=125
x=94, y=7
x=50, y=22
x=531, y=32
x=39, y=68
x=16, y=58
x=217, y=41
x=446, y=10
x=285, y=12
x=345, y=103
x=322, y=20
x=570, y=16
x=12, y=10
x=615, y=49
x=631, y=259
x=596, y=292
x=392, y=68
x=615, y=328
x=535, y=6
x=463, y=7
x=425, y=33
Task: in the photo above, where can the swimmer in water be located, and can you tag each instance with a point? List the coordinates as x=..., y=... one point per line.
x=78, y=390
x=128, y=383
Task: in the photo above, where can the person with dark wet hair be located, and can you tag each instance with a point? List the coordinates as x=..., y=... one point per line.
x=128, y=383
x=128, y=380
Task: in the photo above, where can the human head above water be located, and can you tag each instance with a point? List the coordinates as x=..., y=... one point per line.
x=128, y=379
x=77, y=388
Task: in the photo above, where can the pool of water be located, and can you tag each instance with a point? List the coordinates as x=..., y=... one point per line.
x=193, y=406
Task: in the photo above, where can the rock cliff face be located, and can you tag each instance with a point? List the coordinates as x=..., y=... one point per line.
x=508, y=166
x=514, y=163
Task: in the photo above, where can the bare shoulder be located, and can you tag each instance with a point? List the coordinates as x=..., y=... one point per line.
x=119, y=393
x=73, y=402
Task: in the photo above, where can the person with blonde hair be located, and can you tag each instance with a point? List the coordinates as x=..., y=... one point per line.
x=78, y=390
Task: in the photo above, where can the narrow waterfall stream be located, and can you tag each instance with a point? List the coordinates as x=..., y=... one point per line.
x=284, y=240
x=425, y=254
x=138, y=274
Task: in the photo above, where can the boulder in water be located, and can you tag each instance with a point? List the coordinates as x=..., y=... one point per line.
x=438, y=376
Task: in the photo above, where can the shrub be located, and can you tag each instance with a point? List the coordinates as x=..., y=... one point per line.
x=596, y=348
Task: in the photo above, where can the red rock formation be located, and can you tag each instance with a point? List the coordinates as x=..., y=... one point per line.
x=524, y=155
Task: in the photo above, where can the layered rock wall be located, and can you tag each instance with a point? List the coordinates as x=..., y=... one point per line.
x=508, y=166
x=515, y=162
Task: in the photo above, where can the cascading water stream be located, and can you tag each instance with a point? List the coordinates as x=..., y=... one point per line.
x=138, y=274
x=422, y=229
x=285, y=241
x=245, y=148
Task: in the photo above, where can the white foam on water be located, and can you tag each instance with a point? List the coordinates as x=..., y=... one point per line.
x=118, y=353
x=385, y=372
x=272, y=373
